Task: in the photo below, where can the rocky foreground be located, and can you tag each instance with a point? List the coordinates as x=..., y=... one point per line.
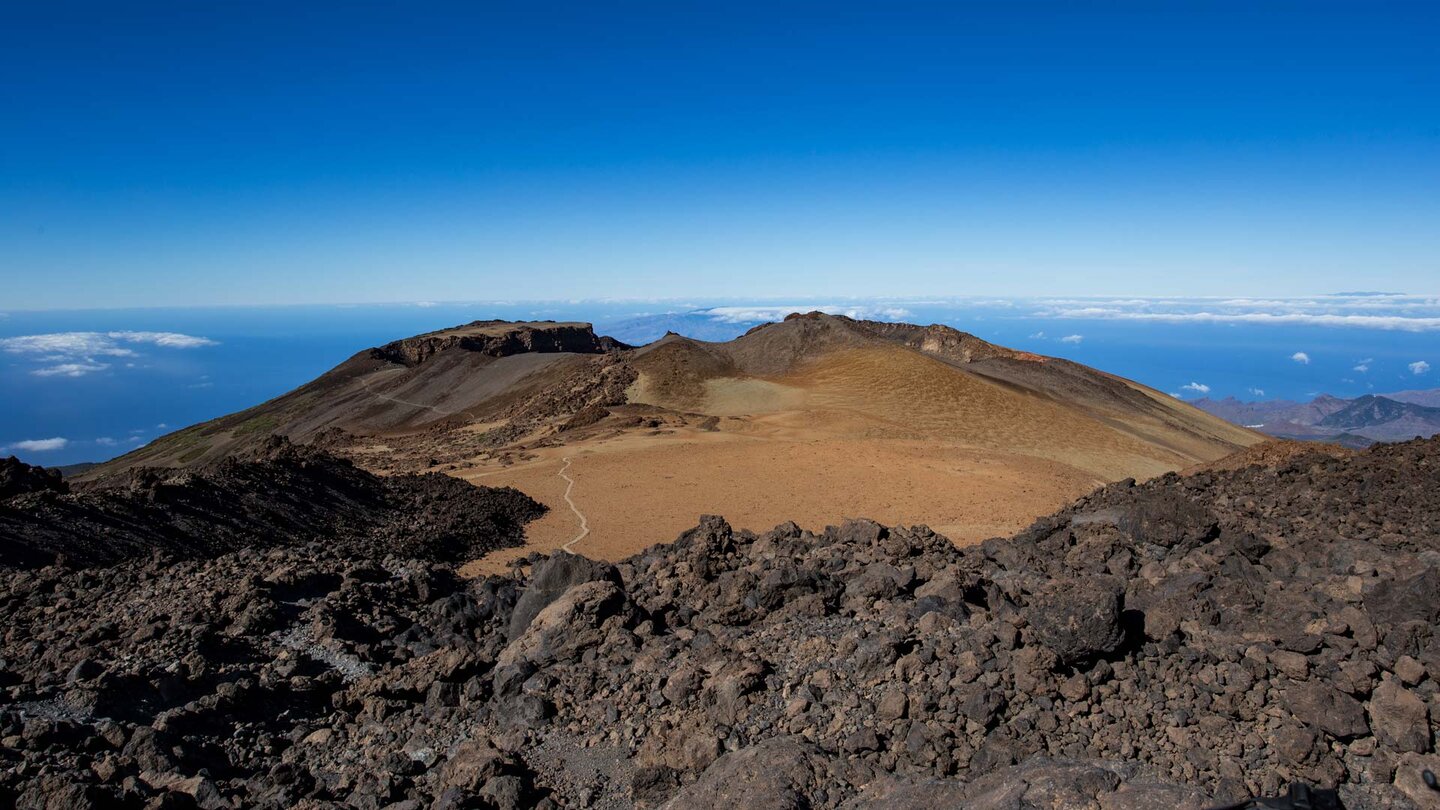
x=1178, y=643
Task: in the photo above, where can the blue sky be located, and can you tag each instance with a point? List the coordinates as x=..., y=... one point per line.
x=171, y=154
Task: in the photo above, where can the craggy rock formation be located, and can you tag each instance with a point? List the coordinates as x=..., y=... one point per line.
x=18, y=478
x=278, y=494
x=1169, y=644
x=499, y=339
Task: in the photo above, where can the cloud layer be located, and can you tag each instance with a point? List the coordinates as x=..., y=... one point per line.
x=1411, y=313
x=76, y=354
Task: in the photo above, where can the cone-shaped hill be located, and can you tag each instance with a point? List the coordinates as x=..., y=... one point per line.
x=814, y=418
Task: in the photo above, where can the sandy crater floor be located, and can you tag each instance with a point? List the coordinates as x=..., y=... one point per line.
x=638, y=489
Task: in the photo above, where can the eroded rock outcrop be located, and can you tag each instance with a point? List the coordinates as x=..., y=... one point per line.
x=499, y=339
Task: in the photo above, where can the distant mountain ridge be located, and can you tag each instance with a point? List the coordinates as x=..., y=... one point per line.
x=1353, y=422
x=1429, y=398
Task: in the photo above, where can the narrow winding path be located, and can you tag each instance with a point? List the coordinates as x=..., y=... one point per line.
x=364, y=383
x=584, y=523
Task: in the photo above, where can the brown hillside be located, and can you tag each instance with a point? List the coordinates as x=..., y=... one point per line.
x=814, y=418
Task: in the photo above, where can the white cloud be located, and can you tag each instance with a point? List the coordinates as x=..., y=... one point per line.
x=1363, y=366
x=1257, y=392
x=1038, y=336
x=75, y=354
x=426, y=304
x=1072, y=338
x=98, y=344
x=1301, y=357
x=70, y=369
x=170, y=340
x=741, y=315
x=1419, y=367
x=39, y=445
x=105, y=441
x=1390, y=322
x=1199, y=388
x=162, y=426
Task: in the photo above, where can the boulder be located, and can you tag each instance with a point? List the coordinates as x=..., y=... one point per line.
x=1322, y=706
x=1077, y=618
x=1400, y=718
x=552, y=578
x=1392, y=601
x=567, y=626
x=781, y=773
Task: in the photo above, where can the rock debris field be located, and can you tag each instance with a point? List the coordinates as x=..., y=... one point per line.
x=1180, y=643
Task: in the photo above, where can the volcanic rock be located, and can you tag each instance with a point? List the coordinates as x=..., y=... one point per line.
x=730, y=666
x=1078, y=618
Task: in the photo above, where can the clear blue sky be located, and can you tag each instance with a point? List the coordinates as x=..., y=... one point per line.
x=264, y=152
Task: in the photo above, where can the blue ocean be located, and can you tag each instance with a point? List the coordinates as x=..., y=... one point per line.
x=88, y=385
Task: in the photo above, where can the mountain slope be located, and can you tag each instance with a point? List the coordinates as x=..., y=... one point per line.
x=1430, y=398
x=811, y=418
x=931, y=382
x=453, y=376
x=1370, y=412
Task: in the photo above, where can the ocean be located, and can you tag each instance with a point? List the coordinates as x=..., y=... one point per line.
x=88, y=385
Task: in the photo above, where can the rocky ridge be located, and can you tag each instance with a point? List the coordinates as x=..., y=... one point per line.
x=276, y=494
x=1175, y=643
x=499, y=339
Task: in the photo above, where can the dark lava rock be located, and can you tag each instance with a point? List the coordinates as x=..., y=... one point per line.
x=551, y=579
x=279, y=494
x=1078, y=618
x=19, y=478
x=243, y=648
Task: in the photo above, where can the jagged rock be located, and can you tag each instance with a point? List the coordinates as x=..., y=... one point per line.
x=1327, y=708
x=1077, y=618
x=498, y=339
x=567, y=625
x=1410, y=779
x=778, y=774
x=19, y=478
x=1415, y=598
x=1400, y=718
x=471, y=765
x=551, y=579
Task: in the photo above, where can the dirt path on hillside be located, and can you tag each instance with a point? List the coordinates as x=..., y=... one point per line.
x=365, y=383
x=584, y=522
